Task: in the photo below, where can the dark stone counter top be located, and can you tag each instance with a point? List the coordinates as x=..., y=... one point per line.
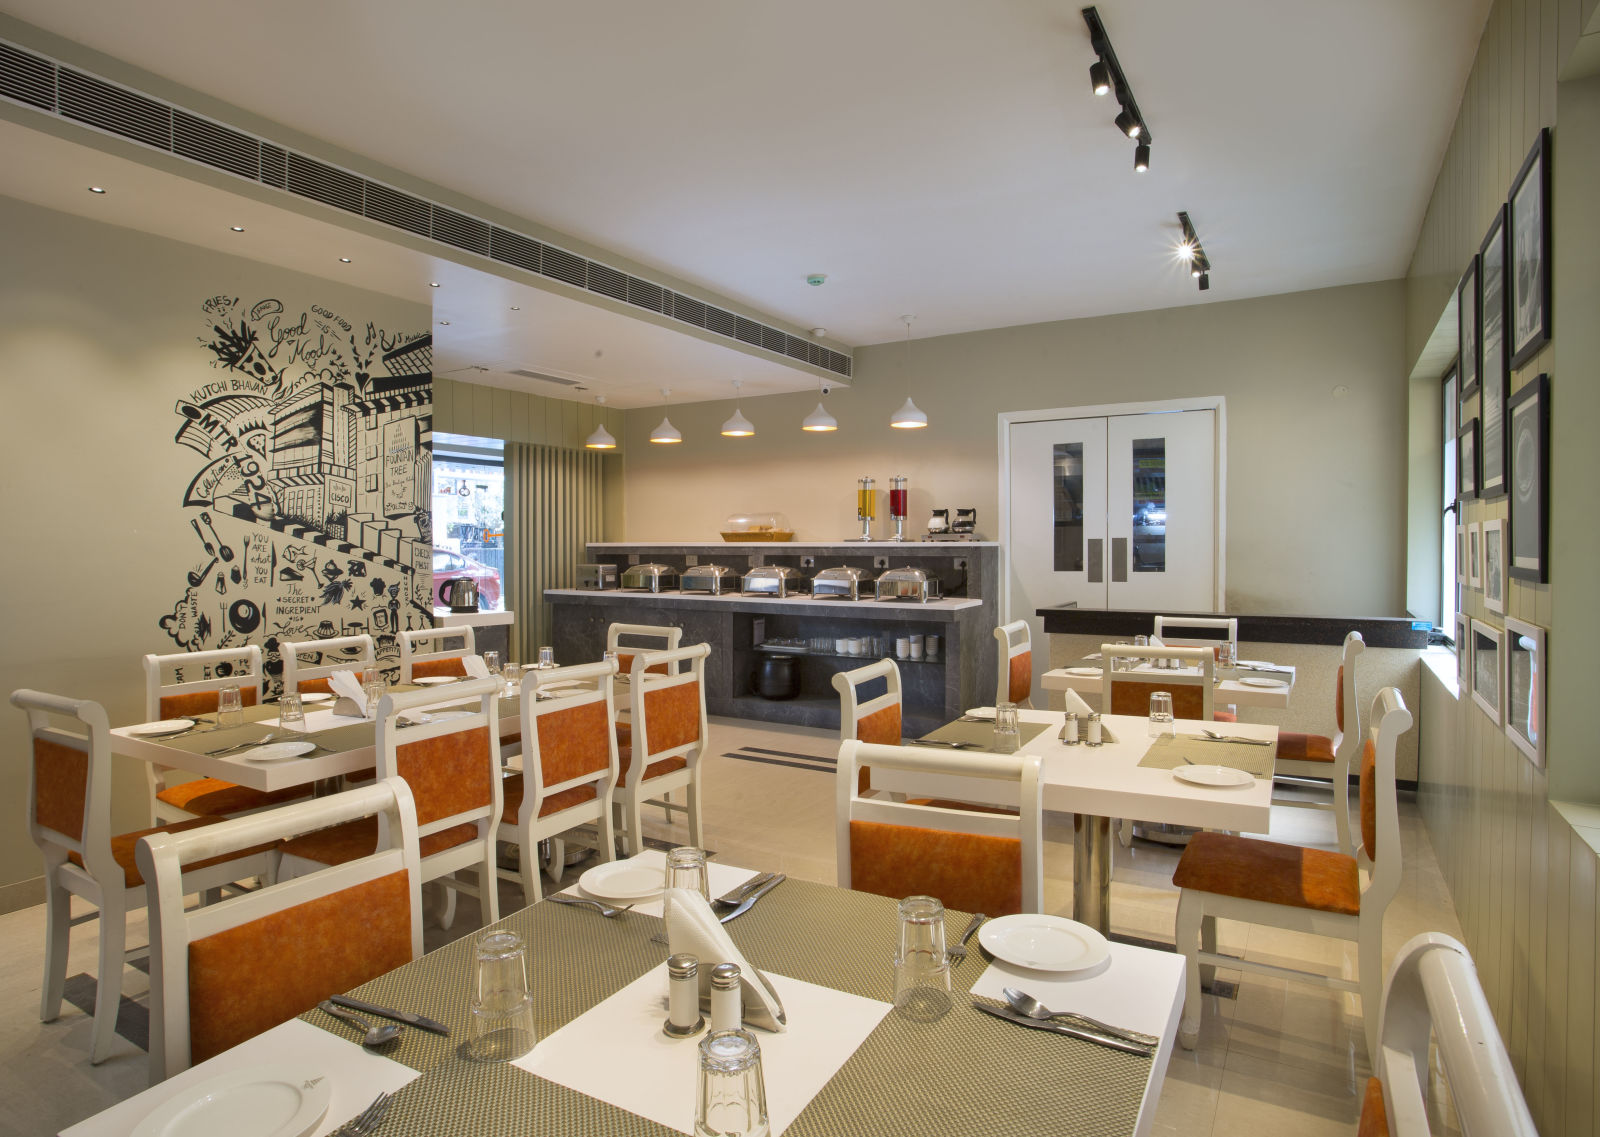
x=1377, y=631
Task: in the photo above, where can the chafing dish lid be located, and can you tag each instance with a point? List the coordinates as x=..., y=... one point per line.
x=648, y=572
x=773, y=572
x=700, y=572
x=843, y=572
x=907, y=574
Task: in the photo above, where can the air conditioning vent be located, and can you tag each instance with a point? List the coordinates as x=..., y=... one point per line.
x=398, y=209
x=748, y=331
x=608, y=281
x=274, y=165
x=643, y=294
x=772, y=339
x=460, y=230
x=543, y=378
x=514, y=249
x=205, y=141
x=688, y=309
x=562, y=265
x=324, y=183
x=797, y=348
x=27, y=78
x=100, y=104
x=723, y=323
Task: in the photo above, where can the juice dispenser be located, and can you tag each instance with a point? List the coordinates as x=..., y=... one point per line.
x=866, y=507
x=898, y=497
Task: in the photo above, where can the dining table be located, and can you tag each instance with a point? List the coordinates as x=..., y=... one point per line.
x=848, y=1066
x=1133, y=775
x=1268, y=686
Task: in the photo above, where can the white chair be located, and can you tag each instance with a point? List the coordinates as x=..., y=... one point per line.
x=342, y=653
x=1228, y=625
x=1318, y=756
x=569, y=768
x=971, y=860
x=1433, y=993
x=69, y=818
x=629, y=639
x=876, y=719
x=1128, y=692
x=668, y=739
x=1014, y=664
x=1299, y=889
x=452, y=764
x=277, y=952
x=424, y=654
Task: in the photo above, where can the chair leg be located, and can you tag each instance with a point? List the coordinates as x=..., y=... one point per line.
x=1191, y=913
x=608, y=835
x=558, y=859
x=633, y=813
x=447, y=905
x=108, y=988
x=57, y=939
x=1125, y=833
x=488, y=888
x=1341, y=815
x=1208, y=943
x=696, y=830
x=528, y=869
x=1371, y=980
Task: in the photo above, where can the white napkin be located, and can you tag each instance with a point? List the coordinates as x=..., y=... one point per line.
x=1076, y=704
x=1136, y=989
x=476, y=667
x=693, y=928
x=352, y=702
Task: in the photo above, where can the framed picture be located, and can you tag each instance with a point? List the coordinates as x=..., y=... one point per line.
x=1467, y=459
x=1474, y=555
x=1463, y=653
x=1494, y=565
x=1494, y=366
x=1530, y=253
x=1528, y=427
x=1486, y=648
x=1525, y=684
x=1467, y=334
x=1461, y=554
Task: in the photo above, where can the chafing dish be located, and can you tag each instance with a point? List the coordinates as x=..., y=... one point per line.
x=839, y=583
x=912, y=584
x=715, y=579
x=773, y=580
x=649, y=578
x=597, y=577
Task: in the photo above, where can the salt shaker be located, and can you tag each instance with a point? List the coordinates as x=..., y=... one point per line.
x=1094, y=730
x=1069, y=729
x=683, y=997
x=727, y=995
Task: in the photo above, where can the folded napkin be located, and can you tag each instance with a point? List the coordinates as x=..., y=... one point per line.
x=694, y=929
x=1075, y=703
x=352, y=701
x=476, y=667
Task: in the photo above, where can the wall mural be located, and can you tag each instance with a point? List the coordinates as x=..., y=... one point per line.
x=310, y=500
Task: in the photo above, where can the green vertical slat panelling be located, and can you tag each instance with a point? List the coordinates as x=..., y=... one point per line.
x=444, y=405
x=502, y=415
x=483, y=412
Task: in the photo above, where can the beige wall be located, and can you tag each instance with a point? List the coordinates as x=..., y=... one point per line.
x=100, y=334
x=1314, y=506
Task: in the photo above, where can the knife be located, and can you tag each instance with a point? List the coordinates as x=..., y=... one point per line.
x=1011, y=1016
x=733, y=896
x=420, y=1021
x=744, y=905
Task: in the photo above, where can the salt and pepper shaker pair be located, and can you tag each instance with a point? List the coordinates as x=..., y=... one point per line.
x=1070, y=733
x=683, y=997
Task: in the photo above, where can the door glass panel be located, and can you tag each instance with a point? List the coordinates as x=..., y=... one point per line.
x=1067, y=460
x=1149, y=505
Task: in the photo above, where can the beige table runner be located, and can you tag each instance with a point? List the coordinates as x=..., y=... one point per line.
x=981, y=734
x=1169, y=752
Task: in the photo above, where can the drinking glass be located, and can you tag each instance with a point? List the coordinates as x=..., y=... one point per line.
x=921, y=965
x=1141, y=641
x=547, y=657
x=1120, y=663
x=373, y=685
x=1007, y=735
x=1227, y=656
x=1161, y=714
x=291, y=712
x=491, y=660
x=230, y=707
x=686, y=868
x=732, y=1096
x=502, y=1008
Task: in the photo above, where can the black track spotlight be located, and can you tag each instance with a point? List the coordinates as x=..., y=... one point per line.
x=1099, y=77
x=1190, y=250
x=1141, y=157
x=1205, y=282
x=1129, y=124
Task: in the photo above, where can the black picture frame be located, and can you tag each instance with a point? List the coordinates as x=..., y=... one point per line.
x=1528, y=318
x=1467, y=461
x=1528, y=479
x=1494, y=365
x=1469, y=351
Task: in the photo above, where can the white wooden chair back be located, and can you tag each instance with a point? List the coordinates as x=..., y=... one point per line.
x=393, y=733
x=853, y=710
x=625, y=640
x=57, y=822
x=171, y=677
x=1390, y=720
x=537, y=709
x=1192, y=691
x=342, y=653
x=1020, y=770
x=648, y=687
x=1014, y=664
x=173, y=930
x=1229, y=625
x=427, y=645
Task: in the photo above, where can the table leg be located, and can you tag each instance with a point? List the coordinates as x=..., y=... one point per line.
x=1091, y=871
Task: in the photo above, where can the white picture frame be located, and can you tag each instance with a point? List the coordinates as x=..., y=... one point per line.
x=1463, y=653
x=1526, y=680
x=1488, y=648
x=1494, y=565
x=1474, y=555
x=1461, y=555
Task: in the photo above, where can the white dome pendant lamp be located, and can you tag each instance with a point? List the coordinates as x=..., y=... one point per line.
x=910, y=416
x=738, y=426
x=666, y=432
x=601, y=438
x=820, y=421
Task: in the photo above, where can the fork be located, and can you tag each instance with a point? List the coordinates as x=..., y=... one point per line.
x=273, y=736
x=606, y=910
x=367, y=1121
x=959, y=952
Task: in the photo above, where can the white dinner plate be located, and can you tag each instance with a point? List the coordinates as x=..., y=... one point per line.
x=1043, y=942
x=165, y=726
x=275, y=751
x=1213, y=776
x=979, y=713
x=1263, y=682
x=624, y=880
x=265, y=1101
x=316, y=697
x=1085, y=671
x=434, y=680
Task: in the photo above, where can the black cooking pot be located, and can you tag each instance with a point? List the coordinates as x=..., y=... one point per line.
x=777, y=676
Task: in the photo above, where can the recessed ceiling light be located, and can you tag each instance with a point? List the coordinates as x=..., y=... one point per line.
x=237, y=228
x=514, y=308
x=97, y=189
x=433, y=284
x=446, y=323
x=344, y=260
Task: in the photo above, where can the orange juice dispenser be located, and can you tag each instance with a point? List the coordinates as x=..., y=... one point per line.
x=866, y=507
x=898, y=498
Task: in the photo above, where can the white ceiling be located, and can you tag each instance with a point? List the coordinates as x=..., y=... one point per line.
x=942, y=157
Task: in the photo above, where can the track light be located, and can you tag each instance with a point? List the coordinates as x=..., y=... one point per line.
x=1128, y=124
x=1099, y=77
x=1141, y=157
x=1190, y=250
x=1205, y=282
x=1107, y=76
x=737, y=426
x=601, y=438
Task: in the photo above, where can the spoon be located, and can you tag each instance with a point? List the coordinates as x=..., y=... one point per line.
x=376, y=1035
x=1025, y=1004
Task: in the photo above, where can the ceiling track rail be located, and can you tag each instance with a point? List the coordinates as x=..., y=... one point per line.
x=47, y=85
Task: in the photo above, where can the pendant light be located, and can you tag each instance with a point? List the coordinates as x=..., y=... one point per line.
x=666, y=432
x=910, y=416
x=820, y=421
x=601, y=438
x=738, y=426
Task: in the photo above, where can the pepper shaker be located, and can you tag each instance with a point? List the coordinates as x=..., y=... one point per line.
x=1069, y=729
x=683, y=997
x=727, y=997
x=1094, y=729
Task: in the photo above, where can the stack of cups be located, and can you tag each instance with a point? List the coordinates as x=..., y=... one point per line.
x=1161, y=722
x=1007, y=734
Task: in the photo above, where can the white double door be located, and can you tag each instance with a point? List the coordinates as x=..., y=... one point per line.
x=1115, y=511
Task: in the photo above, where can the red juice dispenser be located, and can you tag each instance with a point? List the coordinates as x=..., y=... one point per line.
x=898, y=498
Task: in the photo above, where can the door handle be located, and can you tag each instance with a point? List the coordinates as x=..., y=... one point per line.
x=1119, y=560
x=1096, y=561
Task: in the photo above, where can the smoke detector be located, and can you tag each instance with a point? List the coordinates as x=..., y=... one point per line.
x=817, y=279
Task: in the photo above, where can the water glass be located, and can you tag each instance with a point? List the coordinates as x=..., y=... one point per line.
x=547, y=658
x=291, y=711
x=732, y=1096
x=1227, y=655
x=374, y=686
x=502, y=1008
x=1007, y=735
x=230, y=707
x=491, y=660
x=921, y=965
x=1120, y=663
x=1141, y=641
x=1161, y=714
x=686, y=868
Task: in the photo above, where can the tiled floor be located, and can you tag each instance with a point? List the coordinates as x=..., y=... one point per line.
x=1279, y=1058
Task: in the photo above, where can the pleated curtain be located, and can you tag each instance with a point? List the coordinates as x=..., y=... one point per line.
x=553, y=509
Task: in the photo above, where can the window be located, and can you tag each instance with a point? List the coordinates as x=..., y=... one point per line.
x=1450, y=511
x=469, y=493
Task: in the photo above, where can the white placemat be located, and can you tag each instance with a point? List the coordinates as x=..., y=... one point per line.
x=317, y=720
x=1136, y=989
x=617, y=1053
x=358, y=1076
x=720, y=879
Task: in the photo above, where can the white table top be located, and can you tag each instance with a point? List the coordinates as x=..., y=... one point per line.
x=1107, y=781
x=1228, y=691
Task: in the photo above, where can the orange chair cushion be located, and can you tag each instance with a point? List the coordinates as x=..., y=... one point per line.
x=1369, y=800
x=1020, y=681
x=448, y=774
x=315, y=686
x=673, y=715
x=353, y=840
x=1338, y=698
x=1274, y=874
x=1222, y=716
x=965, y=871
x=123, y=845
x=511, y=792
x=1374, y=1117
x=1296, y=747
x=428, y=668
x=573, y=742
x=213, y=797
x=1132, y=697
x=61, y=787
x=248, y=979
x=624, y=733
x=654, y=770
x=199, y=702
